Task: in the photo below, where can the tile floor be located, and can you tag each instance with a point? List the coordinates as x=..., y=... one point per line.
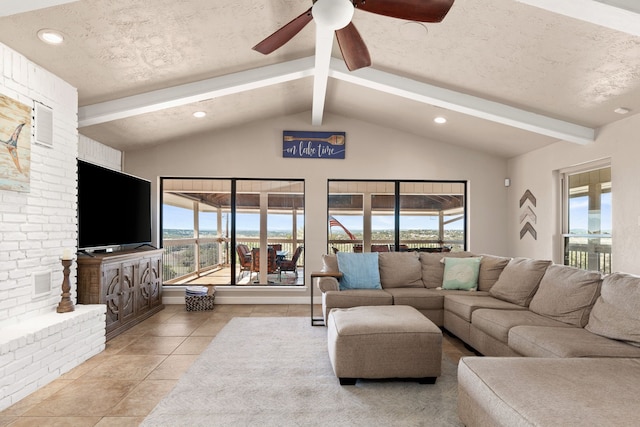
x=121, y=385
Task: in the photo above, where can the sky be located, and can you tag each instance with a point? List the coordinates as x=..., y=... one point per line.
x=579, y=213
x=179, y=218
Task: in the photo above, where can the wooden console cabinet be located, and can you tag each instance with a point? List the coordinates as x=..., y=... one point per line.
x=128, y=282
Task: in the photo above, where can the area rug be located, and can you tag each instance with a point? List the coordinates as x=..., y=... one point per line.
x=276, y=372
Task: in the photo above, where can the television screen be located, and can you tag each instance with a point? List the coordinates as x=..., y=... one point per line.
x=114, y=208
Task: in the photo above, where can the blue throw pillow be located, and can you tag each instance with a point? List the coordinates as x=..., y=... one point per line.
x=461, y=273
x=359, y=271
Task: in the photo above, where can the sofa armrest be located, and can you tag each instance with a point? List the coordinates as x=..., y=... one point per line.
x=327, y=281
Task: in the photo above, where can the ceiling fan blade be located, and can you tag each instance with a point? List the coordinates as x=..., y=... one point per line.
x=411, y=10
x=284, y=34
x=354, y=51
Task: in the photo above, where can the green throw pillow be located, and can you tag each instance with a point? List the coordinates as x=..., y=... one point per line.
x=461, y=273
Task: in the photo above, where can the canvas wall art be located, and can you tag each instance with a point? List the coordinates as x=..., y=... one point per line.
x=15, y=152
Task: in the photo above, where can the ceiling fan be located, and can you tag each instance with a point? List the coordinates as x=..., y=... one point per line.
x=337, y=14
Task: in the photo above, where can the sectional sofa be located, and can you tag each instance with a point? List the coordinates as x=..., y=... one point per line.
x=574, y=327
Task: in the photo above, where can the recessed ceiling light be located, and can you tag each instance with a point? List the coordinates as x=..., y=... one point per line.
x=413, y=31
x=199, y=114
x=50, y=36
x=621, y=110
x=440, y=120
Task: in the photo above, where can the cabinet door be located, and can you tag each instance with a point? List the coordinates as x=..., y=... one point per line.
x=143, y=289
x=155, y=281
x=150, y=286
x=127, y=292
x=112, y=290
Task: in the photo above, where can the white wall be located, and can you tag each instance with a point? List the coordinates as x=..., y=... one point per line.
x=535, y=171
x=373, y=152
x=35, y=226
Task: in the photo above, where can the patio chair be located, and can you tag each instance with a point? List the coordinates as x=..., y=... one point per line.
x=379, y=248
x=244, y=259
x=291, y=264
x=272, y=264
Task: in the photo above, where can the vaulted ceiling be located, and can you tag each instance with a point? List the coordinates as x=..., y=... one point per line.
x=510, y=76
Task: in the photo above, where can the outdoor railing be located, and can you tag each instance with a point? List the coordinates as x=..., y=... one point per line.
x=588, y=252
x=411, y=245
x=179, y=257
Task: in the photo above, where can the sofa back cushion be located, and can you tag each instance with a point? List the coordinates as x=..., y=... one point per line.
x=616, y=313
x=400, y=270
x=491, y=267
x=359, y=270
x=329, y=264
x=433, y=267
x=567, y=294
x=519, y=280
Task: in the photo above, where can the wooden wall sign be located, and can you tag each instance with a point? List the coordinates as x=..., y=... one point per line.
x=313, y=145
x=528, y=214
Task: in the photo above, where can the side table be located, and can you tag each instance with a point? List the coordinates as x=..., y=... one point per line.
x=319, y=321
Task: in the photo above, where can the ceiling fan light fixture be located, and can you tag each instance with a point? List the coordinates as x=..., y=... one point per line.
x=334, y=14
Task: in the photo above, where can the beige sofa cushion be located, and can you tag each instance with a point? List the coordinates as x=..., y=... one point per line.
x=490, y=269
x=329, y=264
x=567, y=294
x=433, y=267
x=497, y=323
x=537, y=341
x=400, y=270
x=616, y=313
x=464, y=305
x=519, y=280
x=526, y=391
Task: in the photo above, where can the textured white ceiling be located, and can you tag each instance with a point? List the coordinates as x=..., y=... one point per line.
x=504, y=51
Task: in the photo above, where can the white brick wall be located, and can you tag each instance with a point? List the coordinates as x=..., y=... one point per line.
x=37, y=344
x=37, y=351
x=100, y=154
x=36, y=226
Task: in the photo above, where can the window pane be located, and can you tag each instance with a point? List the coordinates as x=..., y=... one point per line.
x=430, y=216
x=198, y=247
x=587, y=239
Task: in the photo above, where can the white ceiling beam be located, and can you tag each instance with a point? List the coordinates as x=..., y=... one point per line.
x=13, y=7
x=324, y=44
x=620, y=15
x=462, y=103
x=336, y=68
x=194, y=92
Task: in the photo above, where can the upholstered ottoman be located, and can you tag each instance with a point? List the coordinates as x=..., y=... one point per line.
x=376, y=342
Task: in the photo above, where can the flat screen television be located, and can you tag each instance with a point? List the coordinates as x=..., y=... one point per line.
x=114, y=208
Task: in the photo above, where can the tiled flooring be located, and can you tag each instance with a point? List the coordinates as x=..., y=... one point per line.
x=121, y=385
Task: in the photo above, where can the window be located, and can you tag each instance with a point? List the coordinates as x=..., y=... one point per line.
x=588, y=224
x=367, y=216
x=207, y=223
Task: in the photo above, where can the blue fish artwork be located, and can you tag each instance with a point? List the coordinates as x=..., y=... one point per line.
x=15, y=144
x=12, y=145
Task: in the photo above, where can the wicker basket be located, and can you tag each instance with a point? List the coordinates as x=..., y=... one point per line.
x=200, y=302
